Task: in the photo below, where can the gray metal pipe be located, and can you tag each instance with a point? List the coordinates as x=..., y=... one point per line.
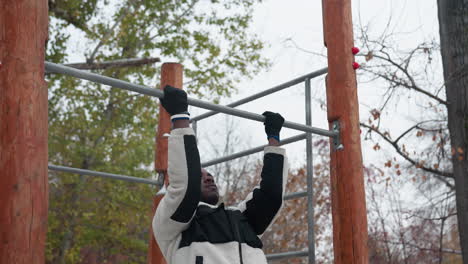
x=195, y=127
x=310, y=176
x=101, y=174
x=292, y=254
x=57, y=68
x=134, y=179
x=266, y=92
x=295, y=195
x=251, y=151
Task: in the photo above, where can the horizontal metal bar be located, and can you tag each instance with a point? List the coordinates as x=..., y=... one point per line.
x=266, y=92
x=57, y=68
x=292, y=254
x=101, y=174
x=113, y=63
x=295, y=195
x=134, y=179
x=251, y=151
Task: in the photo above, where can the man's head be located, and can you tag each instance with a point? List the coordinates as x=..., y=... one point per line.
x=209, y=190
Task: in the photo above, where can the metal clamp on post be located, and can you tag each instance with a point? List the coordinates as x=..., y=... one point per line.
x=337, y=145
x=160, y=179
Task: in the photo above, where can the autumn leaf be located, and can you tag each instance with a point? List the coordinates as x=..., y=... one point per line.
x=369, y=56
x=375, y=114
x=376, y=147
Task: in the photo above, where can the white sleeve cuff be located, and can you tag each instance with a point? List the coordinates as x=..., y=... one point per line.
x=182, y=131
x=275, y=150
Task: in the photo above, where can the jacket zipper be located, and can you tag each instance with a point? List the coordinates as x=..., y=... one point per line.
x=235, y=230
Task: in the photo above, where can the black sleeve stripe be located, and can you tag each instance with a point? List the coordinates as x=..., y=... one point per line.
x=190, y=201
x=272, y=175
x=267, y=200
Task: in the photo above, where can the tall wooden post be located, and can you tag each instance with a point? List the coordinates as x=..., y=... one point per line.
x=23, y=131
x=171, y=74
x=347, y=183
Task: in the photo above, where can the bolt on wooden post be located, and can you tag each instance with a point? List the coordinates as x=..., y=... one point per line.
x=171, y=74
x=23, y=131
x=346, y=169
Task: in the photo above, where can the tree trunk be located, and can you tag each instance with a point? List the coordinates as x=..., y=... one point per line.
x=453, y=20
x=23, y=131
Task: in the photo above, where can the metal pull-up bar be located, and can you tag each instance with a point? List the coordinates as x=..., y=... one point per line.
x=265, y=92
x=251, y=151
x=57, y=68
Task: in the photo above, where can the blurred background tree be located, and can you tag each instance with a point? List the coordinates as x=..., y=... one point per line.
x=95, y=127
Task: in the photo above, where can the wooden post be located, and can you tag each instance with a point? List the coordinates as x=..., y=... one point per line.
x=171, y=74
x=23, y=131
x=347, y=183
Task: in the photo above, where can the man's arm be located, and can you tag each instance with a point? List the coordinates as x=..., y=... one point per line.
x=178, y=206
x=262, y=205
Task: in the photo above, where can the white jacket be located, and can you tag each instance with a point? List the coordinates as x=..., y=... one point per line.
x=192, y=232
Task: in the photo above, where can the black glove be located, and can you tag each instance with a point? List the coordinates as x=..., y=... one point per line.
x=174, y=100
x=273, y=123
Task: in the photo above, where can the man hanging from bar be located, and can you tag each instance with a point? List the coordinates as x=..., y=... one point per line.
x=189, y=225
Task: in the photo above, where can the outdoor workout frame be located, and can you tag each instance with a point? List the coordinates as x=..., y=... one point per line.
x=61, y=69
x=23, y=140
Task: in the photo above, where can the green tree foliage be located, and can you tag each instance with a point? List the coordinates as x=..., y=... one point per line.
x=91, y=126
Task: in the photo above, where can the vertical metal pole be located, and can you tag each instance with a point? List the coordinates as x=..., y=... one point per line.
x=310, y=176
x=23, y=132
x=194, y=126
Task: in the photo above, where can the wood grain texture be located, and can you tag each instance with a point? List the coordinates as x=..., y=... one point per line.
x=171, y=74
x=23, y=131
x=155, y=255
x=347, y=183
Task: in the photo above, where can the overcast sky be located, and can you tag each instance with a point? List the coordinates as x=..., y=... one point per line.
x=291, y=28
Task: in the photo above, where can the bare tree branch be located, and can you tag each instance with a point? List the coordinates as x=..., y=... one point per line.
x=412, y=83
x=442, y=218
x=418, y=126
x=445, y=250
x=439, y=173
x=106, y=37
x=184, y=13
x=304, y=50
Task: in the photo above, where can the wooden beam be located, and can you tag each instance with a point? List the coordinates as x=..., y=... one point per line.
x=171, y=74
x=23, y=131
x=347, y=183
x=120, y=63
